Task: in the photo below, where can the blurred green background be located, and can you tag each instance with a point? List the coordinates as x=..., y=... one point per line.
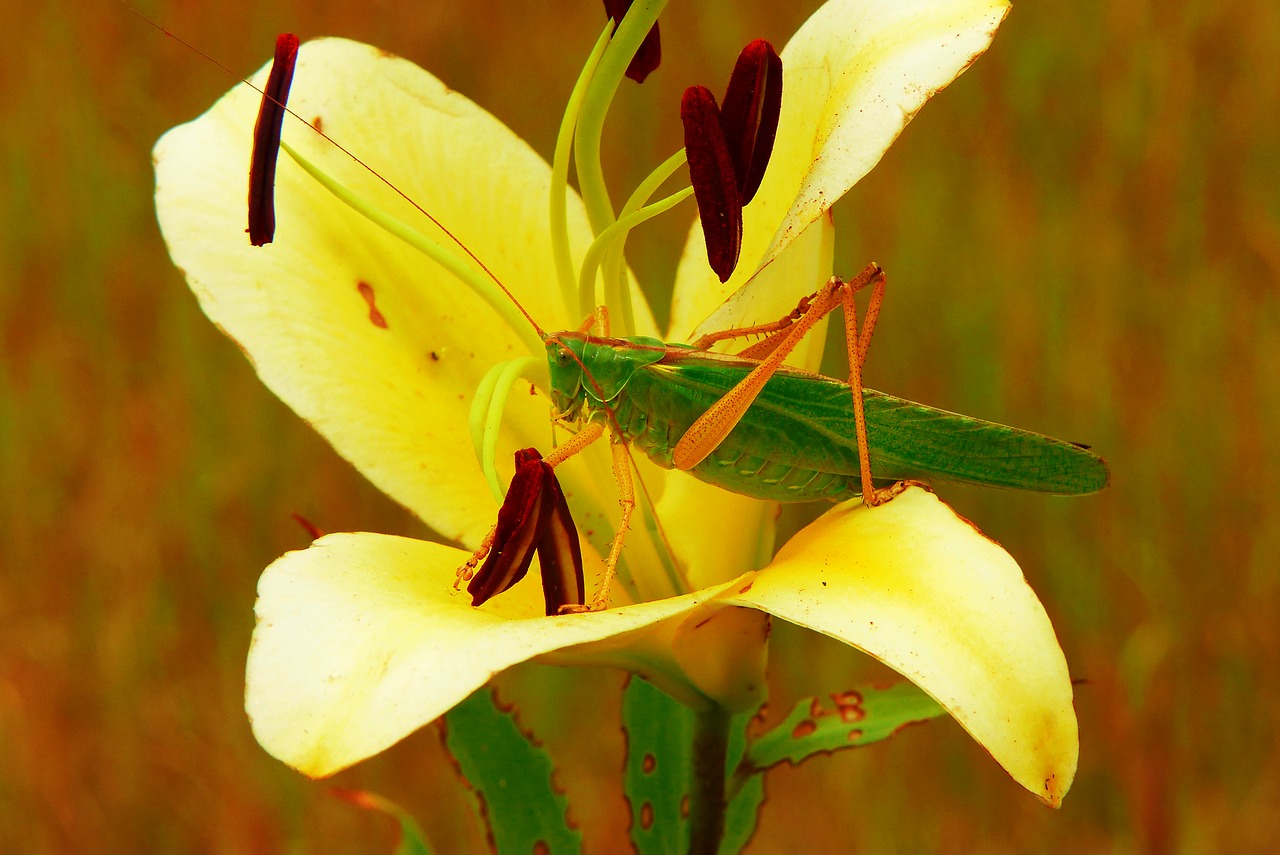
x=1082, y=236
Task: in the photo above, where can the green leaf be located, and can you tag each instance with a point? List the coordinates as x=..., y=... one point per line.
x=659, y=739
x=850, y=719
x=512, y=775
x=412, y=841
x=659, y=732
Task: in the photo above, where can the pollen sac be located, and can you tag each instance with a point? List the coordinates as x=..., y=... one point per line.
x=715, y=183
x=266, y=141
x=534, y=518
x=749, y=114
x=649, y=56
x=728, y=148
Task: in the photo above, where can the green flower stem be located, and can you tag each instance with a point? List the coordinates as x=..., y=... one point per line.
x=604, y=85
x=559, y=221
x=707, y=795
x=482, y=285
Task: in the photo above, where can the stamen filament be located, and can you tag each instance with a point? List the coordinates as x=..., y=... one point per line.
x=617, y=292
x=559, y=221
x=487, y=408
x=626, y=41
x=646, y=188
x=591, y=261
x=479, y=284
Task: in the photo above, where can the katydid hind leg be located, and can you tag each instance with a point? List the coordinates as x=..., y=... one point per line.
x=857, y=343
x=710, y=429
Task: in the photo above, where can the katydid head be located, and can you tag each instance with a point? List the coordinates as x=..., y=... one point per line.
x=564, y=363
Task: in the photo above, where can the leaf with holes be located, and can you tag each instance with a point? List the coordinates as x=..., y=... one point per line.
x=656, y=779
x=850, y=719
x=658, y=769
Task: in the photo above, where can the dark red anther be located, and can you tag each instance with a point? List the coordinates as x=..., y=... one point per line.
x=266, y=141
x=715, y=183
x=750, y=113
x=649, y=56
x=534, y=518
x=559, y=553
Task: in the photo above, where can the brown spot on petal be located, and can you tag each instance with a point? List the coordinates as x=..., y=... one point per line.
x=541, y=847
x=854, y=735
x=803, y=729
x=318, y=124
x=646, y=816
x=648, y=763
x=375, y=316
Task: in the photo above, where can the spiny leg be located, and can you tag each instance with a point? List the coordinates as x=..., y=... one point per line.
x=858, y=343
x=706, y=341
x=776, y=331
x=597, y=320
x=627, y=499
x=784, y=335
x=711, y=428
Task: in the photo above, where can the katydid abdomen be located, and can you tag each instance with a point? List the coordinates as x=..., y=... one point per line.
x=797, y=441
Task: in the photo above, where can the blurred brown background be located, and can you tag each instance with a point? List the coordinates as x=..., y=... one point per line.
x=1082, y=235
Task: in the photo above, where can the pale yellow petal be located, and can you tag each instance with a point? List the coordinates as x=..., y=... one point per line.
x=919, y=588
x=361, y=639
x=716, y=534
x=854, y=75
x=374, y=344
x=859, y=70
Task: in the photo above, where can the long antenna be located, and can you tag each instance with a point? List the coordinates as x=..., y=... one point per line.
x=340, y=147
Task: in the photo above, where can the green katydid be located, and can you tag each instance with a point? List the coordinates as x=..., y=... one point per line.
x=773, y=432
x=749, y=424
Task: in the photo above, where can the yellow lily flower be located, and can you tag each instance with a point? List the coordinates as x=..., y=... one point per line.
x=362, y=638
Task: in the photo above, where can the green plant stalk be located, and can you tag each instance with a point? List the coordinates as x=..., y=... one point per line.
x=626, y=41
x=707, y=789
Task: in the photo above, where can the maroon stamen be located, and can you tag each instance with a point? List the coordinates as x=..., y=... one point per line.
x=559, y=552
x=534, y=518
x=266, y=141
x=649, y=56
x=715, y=183
x=750, y=113
x=516, y=534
